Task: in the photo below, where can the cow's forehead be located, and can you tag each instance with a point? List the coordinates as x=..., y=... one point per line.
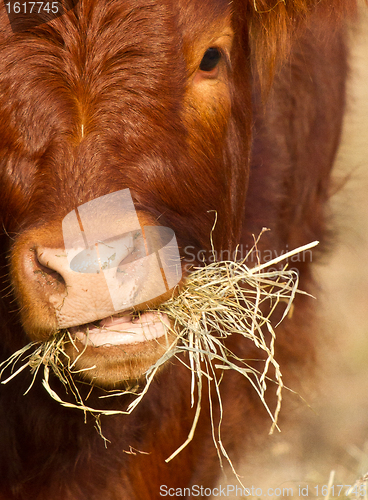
x=110, y=61
x=191, y=19
x=133, y=21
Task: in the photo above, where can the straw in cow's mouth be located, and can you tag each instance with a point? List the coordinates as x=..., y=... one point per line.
x=220, y=299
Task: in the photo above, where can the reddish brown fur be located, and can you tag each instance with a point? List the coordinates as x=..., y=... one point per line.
x=128, y=72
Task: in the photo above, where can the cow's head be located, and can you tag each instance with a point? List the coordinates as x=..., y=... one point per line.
x=147, y=98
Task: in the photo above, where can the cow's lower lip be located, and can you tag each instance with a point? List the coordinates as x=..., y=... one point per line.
x=120, y=348
x=123, y=330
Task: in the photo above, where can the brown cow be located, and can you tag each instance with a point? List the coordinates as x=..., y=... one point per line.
x=195, y=106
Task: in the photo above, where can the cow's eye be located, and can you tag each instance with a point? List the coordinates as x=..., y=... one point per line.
x=210, y=59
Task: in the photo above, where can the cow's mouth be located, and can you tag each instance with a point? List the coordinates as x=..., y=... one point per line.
x=119, y=348
x=122, y=329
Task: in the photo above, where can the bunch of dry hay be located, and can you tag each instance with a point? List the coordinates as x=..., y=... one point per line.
x=220, y=299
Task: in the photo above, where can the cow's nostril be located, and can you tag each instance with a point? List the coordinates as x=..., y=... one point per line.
x=46, y=273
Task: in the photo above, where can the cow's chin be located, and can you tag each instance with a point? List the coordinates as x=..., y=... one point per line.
x=120, y=349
